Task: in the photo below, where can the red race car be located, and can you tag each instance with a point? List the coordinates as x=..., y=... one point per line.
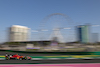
x=17, y=57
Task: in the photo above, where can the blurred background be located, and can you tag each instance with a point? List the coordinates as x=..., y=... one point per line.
x=53, y=25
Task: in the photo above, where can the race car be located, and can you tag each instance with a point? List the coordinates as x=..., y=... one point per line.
x=17, y=57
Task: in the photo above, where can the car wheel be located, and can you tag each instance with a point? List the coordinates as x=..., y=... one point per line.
x=20, y=58
x=16, y=58
x=25, y=58
x=7, y=58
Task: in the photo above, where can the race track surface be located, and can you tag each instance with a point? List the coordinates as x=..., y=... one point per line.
x=44, y=61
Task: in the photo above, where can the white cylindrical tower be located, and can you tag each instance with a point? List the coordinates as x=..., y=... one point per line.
x=18, y=33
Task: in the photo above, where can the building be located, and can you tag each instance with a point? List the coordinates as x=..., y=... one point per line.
x=83, y=33
x=18, y=33
x=95, y=37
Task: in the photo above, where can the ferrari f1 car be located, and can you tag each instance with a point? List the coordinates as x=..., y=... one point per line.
x=17, y=57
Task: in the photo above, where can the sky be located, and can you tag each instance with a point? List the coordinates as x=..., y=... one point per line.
x=32, y=13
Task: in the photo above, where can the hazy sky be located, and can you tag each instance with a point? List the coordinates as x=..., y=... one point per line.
x=31, y=13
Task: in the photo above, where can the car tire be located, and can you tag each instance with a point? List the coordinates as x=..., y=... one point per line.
x=25, y=58
x=7, y=58
x=20, y=58
x=16, y=58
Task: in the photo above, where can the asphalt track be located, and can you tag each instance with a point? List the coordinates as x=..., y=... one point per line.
x=61, y=61
x=44, y=61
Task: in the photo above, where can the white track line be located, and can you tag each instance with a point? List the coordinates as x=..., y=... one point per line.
x=88, y=58
x=37, y=59
x=54, y=58
x=2, y=58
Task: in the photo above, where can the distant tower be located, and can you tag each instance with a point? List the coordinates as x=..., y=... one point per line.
x=18, y=33
x=83, y=33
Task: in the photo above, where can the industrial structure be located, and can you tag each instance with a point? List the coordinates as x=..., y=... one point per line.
x=18, y=33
